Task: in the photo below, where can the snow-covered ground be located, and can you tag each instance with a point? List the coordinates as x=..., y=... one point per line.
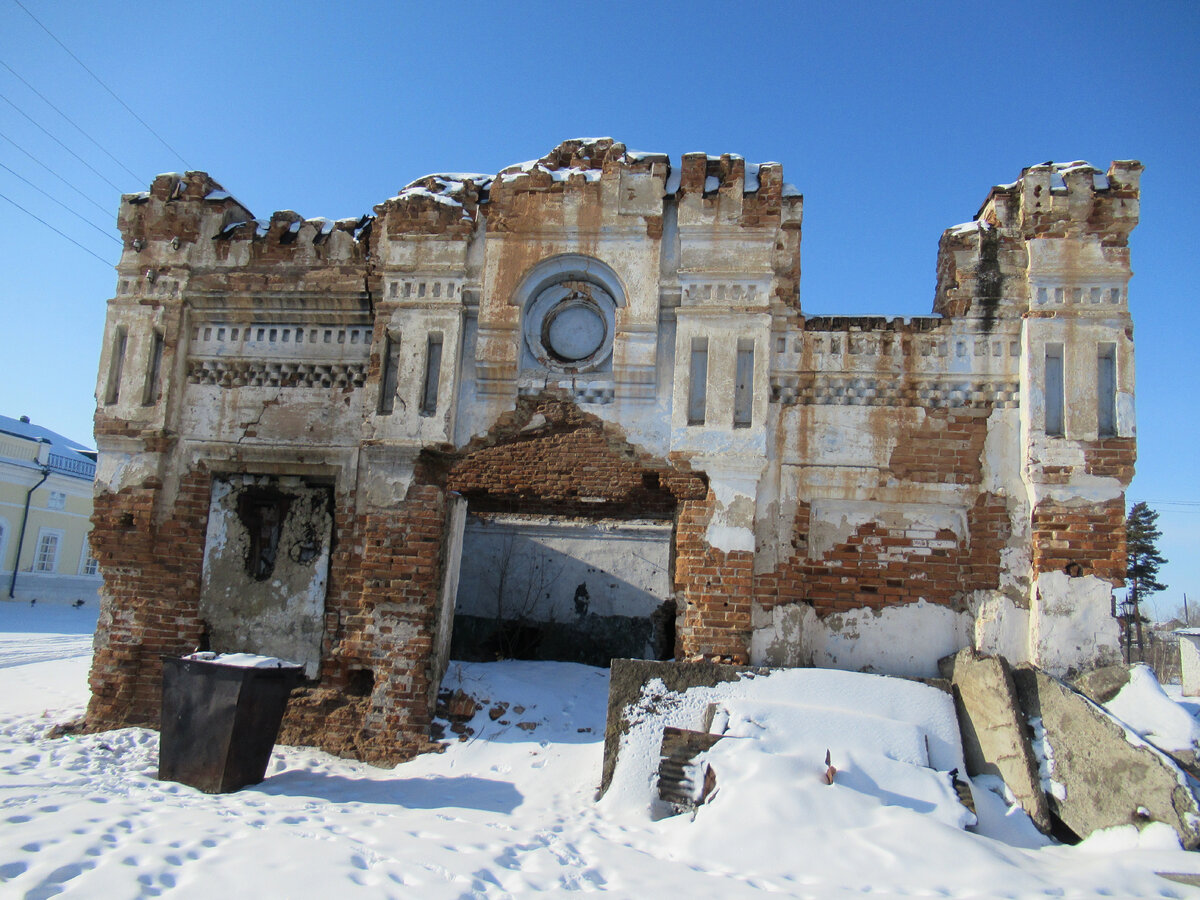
x=510, y=811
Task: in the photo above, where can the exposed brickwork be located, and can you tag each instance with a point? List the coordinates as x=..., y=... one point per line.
x=716, y=587
x=571, y=465
x=944, y=450
x=1081, y=540
x=387, y=631
x=877, y=567
x=152, y=562
x=1111, y=458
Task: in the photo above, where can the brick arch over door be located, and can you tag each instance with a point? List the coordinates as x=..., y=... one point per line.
x=549, y=457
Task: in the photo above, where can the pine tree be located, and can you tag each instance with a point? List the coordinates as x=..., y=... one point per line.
x=1142, y=560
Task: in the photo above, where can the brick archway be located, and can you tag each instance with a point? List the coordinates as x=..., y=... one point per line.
x=556, y=476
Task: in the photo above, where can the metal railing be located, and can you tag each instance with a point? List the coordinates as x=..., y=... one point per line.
x=68, y=465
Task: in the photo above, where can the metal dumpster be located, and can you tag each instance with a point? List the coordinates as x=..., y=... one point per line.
x=219, y=722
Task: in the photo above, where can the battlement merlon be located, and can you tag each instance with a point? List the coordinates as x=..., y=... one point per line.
x=1003, y=256
x=1068, y=199
x=189, y=222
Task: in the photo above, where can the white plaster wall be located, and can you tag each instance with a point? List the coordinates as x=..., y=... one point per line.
x=1071, y=625
x=623, y=566
x=1001, y=628
x=901, y=640
x=284, y=615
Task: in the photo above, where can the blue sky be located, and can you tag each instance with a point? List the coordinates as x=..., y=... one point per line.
x=892, y=119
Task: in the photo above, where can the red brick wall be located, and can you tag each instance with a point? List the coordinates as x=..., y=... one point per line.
x=716, y=587
x=152, y=562
x=1111, y=457
x=878, y=567
x=1082, y=540
x=945, y=448
x=388, y=629
x=572, y=465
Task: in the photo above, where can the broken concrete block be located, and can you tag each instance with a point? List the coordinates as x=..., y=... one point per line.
x=994, y=731
x=625, y=681
x=1101, y=685
x=1101, y=774
x=681, y=781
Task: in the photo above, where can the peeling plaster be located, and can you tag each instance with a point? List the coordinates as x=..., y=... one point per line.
x=1071, y=624
x=835, y=521
x=900, y=640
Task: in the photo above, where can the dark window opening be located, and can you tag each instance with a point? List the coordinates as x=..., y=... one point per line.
x=743, y=391
x=388, y=381
x=113, y=391
x=433, y=370
x=1106, y=390
x=150, y=393
x=1054, y=390
x=262, y=511
x=698, y=382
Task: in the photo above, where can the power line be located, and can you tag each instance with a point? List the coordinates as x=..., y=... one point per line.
x=55, y=230
x=88, y=222
x=102, y=84
x=60, y=143
x=71, y=121
x=107, y=212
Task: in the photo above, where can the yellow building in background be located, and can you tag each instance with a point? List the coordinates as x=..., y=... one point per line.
x=45, y=515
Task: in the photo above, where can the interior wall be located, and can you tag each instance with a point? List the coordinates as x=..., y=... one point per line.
x=562, y=588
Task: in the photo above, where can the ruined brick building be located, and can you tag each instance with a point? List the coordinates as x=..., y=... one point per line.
x=576, y=410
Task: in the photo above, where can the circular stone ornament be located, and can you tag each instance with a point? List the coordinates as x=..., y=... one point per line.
x=569, y=326
x=574, y=329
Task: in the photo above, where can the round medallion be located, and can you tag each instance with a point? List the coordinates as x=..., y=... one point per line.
x=574, y=329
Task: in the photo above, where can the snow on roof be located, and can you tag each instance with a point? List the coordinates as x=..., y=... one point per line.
x=643, y=155
x=965, y=227
x=1074, y=164
x=58, y=442
x=790, y=190
x=751, y=178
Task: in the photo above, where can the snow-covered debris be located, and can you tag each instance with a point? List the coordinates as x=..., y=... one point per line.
x=1145, y=708
x=892, y=741
x=1044, y=754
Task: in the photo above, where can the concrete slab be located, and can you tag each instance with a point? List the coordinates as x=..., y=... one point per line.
x=1105, y=775
x=994, y=731
x=625, y=681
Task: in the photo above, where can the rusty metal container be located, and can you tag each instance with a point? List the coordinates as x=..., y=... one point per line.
x=219, y=722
